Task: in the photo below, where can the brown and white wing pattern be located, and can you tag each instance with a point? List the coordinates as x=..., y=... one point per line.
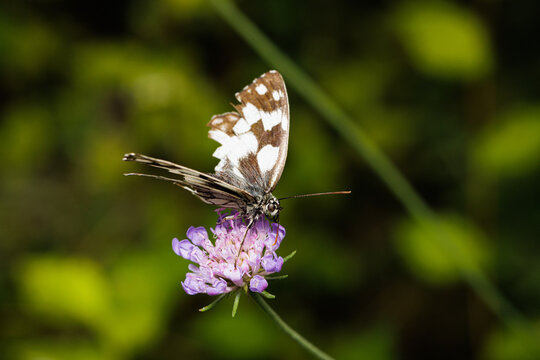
x=252, y=154
x=254, y=140
x=206, y=187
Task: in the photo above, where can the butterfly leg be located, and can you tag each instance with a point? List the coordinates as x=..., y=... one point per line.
x=225, y=218
x=277, y=231
x=250, y=224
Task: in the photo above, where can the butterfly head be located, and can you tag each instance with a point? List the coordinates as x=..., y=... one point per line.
x=271, y=207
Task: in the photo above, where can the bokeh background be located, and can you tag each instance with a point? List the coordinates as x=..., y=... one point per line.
x=448, y=89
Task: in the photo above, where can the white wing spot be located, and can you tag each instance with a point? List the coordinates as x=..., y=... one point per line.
x=276, y=95
x=241, y=127
x=271, y=119
x=233, y=148
x=267, y=157
x=220, y=137
x=272, y=71
x=261, y=89
x=251, y=113
x=217, y=121
x=249, y=140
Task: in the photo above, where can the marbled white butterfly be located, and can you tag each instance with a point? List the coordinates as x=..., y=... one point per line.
x=252, y=154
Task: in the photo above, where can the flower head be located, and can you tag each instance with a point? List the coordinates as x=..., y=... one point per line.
x=229, y=264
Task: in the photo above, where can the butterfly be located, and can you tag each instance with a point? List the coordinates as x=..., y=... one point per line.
x=252, y=153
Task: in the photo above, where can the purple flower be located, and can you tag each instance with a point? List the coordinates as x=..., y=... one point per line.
x=258, y=284
x=223, y=267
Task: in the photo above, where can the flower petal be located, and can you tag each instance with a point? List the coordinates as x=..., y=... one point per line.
x=219, y=286
x=198, y=256
x=183, y=248
x=193, y=285
x=271, y=263
x=258, y=284
x=262, y=225
x=243, y=263
x=271, y=242
x=198, y=235
x=234, y=275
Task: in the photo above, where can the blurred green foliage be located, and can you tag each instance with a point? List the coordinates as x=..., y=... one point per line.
x=446, y=88
x=511, y=146
x=429, y=261
x=444, y=39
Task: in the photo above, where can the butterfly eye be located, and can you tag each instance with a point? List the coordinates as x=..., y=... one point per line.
x=272, y=207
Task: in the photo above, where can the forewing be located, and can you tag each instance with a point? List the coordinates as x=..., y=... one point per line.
x=206, y=187
x=254, y=140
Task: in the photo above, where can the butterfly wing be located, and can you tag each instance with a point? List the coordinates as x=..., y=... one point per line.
x=253, y=148
x=206, y=187
x=254, y=140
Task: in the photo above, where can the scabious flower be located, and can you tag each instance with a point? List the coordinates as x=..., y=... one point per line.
x=223, y=266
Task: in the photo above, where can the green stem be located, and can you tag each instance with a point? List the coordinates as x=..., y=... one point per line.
x=374, y=157
x=315, y=351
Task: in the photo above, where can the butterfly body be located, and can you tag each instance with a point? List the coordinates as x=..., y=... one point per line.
x=252, y=153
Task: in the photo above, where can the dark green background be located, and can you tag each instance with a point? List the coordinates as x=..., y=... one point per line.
x=449, y=90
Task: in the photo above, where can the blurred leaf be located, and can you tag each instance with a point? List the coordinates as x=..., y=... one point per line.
x=143, y=294
x=127, y=310
x=511, y=147
x=507, y=344
x=429, y=261
x=71, y=289
x=444, y=40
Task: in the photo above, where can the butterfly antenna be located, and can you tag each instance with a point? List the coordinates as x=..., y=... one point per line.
x=315, y=194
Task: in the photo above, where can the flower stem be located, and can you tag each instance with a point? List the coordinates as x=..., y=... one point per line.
x=315, y=351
